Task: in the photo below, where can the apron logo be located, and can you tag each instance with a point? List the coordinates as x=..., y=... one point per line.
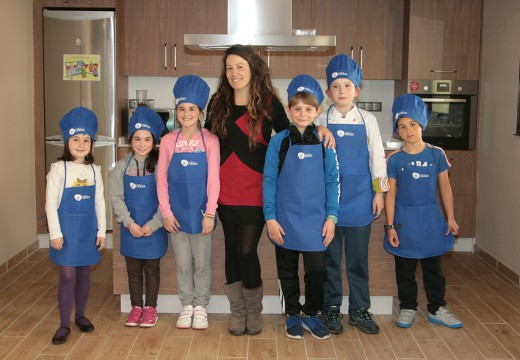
x=189, y=163
x=302, y=156
x=134, y=186
x=79, y=197
x=342, y=133
x=417, y=175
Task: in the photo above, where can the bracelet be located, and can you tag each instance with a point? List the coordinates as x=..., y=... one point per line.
x=207, y=215
x=333, y=218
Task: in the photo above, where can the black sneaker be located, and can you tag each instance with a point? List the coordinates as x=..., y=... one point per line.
x=333, y=320
x=363, y=319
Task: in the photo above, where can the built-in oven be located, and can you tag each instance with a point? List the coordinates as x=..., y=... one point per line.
x=452, y=106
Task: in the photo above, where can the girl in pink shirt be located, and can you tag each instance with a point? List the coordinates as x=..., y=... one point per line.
x=188, y=186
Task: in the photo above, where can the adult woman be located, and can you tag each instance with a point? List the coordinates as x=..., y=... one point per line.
x=243, y=112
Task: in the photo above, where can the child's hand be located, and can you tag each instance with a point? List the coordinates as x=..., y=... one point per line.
x=146, y=230
x=392, y=238
x=452, y=227
x=326, y=136
x=135, y=230
x=275, y=231
x=378, y=204
x=171, y=224
x=328, y=231
x=207, y=225
x=101, y=242
x=57, y=243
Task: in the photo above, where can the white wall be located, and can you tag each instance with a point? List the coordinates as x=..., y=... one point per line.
x=17, y=185
x=498, y=195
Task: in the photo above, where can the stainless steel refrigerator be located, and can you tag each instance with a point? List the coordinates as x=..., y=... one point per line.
x=79, y=70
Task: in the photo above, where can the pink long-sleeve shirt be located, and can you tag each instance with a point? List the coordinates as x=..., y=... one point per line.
x=167, y=149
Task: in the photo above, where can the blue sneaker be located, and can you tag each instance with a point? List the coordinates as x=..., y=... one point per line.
x=293, y=327
x=333, y=320
x=315, y=326
x=363, y=319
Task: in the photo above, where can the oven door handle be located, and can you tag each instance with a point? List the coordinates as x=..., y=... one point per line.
x=438, y=100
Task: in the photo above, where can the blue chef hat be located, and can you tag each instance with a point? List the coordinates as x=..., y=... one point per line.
x=191, y=89
x=411, y=106
x=79, y=120
x=342, y=66
x=146, y=119
x=305, y=83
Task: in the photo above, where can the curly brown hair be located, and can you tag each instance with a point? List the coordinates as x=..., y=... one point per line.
x=261, y=91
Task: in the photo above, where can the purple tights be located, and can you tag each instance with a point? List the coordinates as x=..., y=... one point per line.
x=74, y=285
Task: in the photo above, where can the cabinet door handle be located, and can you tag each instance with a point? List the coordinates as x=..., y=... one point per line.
x=361, y=57
x=175, y=57
x=88, y=2
x=444, y=71
x=166, y=56
x=352, y=52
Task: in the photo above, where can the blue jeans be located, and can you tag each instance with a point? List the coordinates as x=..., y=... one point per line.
x=356, y=255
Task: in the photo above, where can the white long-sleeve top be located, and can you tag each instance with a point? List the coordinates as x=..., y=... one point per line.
x=77, y=175
x=376, y=151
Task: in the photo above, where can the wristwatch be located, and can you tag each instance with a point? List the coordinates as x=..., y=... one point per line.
x=390, y=227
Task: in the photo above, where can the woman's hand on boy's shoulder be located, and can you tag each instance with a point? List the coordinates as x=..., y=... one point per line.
x=326, y=137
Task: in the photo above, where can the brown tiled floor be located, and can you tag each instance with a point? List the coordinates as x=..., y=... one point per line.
x=488, y=305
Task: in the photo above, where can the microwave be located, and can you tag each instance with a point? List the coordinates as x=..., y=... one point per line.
x=452, y=109
x=165, y=114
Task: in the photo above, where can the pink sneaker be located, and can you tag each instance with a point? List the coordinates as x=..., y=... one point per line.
x=134, y=318
x=150, y=317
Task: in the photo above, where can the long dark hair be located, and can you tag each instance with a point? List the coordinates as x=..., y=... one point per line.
x=67, y=156
x=152, y=158
x=260, y=94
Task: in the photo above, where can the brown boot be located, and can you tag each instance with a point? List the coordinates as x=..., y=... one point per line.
x=237, y=322
x=253, y=299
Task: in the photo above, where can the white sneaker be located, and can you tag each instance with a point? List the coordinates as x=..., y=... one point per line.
x=445, y=318
x=185, y=317
x=200, y=318
x=406, y=318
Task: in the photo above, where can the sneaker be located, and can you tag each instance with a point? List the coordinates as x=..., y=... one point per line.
x=333, y=317
x=444, y=317
x=406, y=318
x=293, y=327
x=134, y=318
x=200, y=318
x=315, y=326
x=149, y=318
x=363, y=319
x=185, y=317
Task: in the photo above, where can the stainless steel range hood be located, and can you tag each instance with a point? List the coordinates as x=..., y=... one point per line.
x=264, y=24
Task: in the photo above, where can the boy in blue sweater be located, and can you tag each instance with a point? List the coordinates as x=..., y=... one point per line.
x=300, y=190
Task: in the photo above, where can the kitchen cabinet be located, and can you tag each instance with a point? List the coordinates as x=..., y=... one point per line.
x=154, y=36
x=442, y=39
x=369, y=31
x=80, y=3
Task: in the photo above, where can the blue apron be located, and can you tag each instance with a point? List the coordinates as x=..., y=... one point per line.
x=142, y=202
x=356, y=192
x=417, y=210
x=187, y=188
x=301, y=199
x=78, y=222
